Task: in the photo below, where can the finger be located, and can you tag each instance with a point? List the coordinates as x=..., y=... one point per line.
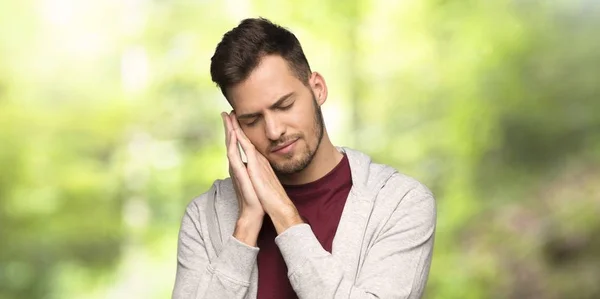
x=233, y=154
x=225, y=119
x=236, y=165
x=236, y=126
x=247, y=146
x=238, y=170
x=234, y=122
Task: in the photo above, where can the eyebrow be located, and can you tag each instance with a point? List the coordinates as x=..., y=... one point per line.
x=277, y=104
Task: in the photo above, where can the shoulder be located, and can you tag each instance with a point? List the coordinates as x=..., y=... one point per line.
x=379, y=180
x=405, y=204
x=401, y=191
x=406, y=185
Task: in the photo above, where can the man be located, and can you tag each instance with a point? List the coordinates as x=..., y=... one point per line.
x=302, y=218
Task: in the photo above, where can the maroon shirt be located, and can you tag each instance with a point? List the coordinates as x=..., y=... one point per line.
x=320, y=204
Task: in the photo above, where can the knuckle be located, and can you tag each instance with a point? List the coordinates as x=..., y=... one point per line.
x=230, y=154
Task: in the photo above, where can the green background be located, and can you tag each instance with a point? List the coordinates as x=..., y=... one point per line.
x=109, y=126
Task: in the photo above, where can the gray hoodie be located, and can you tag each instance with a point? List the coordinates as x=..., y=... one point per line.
x=382, y=248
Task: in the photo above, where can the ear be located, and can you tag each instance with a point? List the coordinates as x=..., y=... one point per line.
x=319, y=87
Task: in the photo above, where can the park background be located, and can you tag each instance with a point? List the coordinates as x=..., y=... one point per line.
x=109, y=126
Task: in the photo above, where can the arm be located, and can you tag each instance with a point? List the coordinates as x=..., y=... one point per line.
x=227, y=276
x=396, y=265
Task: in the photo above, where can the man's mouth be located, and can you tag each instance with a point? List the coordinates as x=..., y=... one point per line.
x=283, y=145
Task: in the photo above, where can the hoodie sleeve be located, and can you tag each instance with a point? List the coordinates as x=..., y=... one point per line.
x=226, y=276
x=395, y=266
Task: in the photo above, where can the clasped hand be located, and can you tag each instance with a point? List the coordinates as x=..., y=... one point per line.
x=256, y=185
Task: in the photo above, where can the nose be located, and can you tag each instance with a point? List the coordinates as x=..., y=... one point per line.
x=274, y=128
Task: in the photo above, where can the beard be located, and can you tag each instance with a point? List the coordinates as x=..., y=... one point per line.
x=306, y=154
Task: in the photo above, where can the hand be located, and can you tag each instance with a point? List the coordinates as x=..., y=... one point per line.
x=265, y=183
x=251, y=213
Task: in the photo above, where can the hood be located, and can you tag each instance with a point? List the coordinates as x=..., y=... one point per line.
x=367, y=177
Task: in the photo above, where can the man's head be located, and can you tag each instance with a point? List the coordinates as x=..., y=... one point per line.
x=262, y=71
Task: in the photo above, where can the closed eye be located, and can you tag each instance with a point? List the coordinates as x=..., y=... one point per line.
x=252, y=123
x=286, y=107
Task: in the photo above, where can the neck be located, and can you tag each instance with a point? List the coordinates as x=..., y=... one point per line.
x=325, y=159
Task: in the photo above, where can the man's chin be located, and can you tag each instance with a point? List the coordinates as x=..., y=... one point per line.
x=288, y=167
x=290, y=163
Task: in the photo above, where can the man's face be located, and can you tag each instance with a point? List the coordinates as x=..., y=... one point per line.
x=279, y=114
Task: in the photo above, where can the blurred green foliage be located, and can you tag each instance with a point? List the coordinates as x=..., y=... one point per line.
x=109, y=126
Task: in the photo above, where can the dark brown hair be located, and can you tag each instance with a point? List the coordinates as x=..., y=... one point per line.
x=241, y=49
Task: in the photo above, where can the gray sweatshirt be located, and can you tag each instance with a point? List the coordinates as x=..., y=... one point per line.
x=382, y=248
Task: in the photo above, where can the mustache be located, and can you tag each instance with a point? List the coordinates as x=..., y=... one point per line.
x=284, y=140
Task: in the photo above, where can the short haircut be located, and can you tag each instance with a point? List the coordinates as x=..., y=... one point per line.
x=242, y=48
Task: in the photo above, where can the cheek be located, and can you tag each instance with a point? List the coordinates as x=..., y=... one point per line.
x=253, y=134
x=257, y=138
x=306, y=119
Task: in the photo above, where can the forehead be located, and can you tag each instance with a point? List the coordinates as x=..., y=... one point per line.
x=270, y=80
